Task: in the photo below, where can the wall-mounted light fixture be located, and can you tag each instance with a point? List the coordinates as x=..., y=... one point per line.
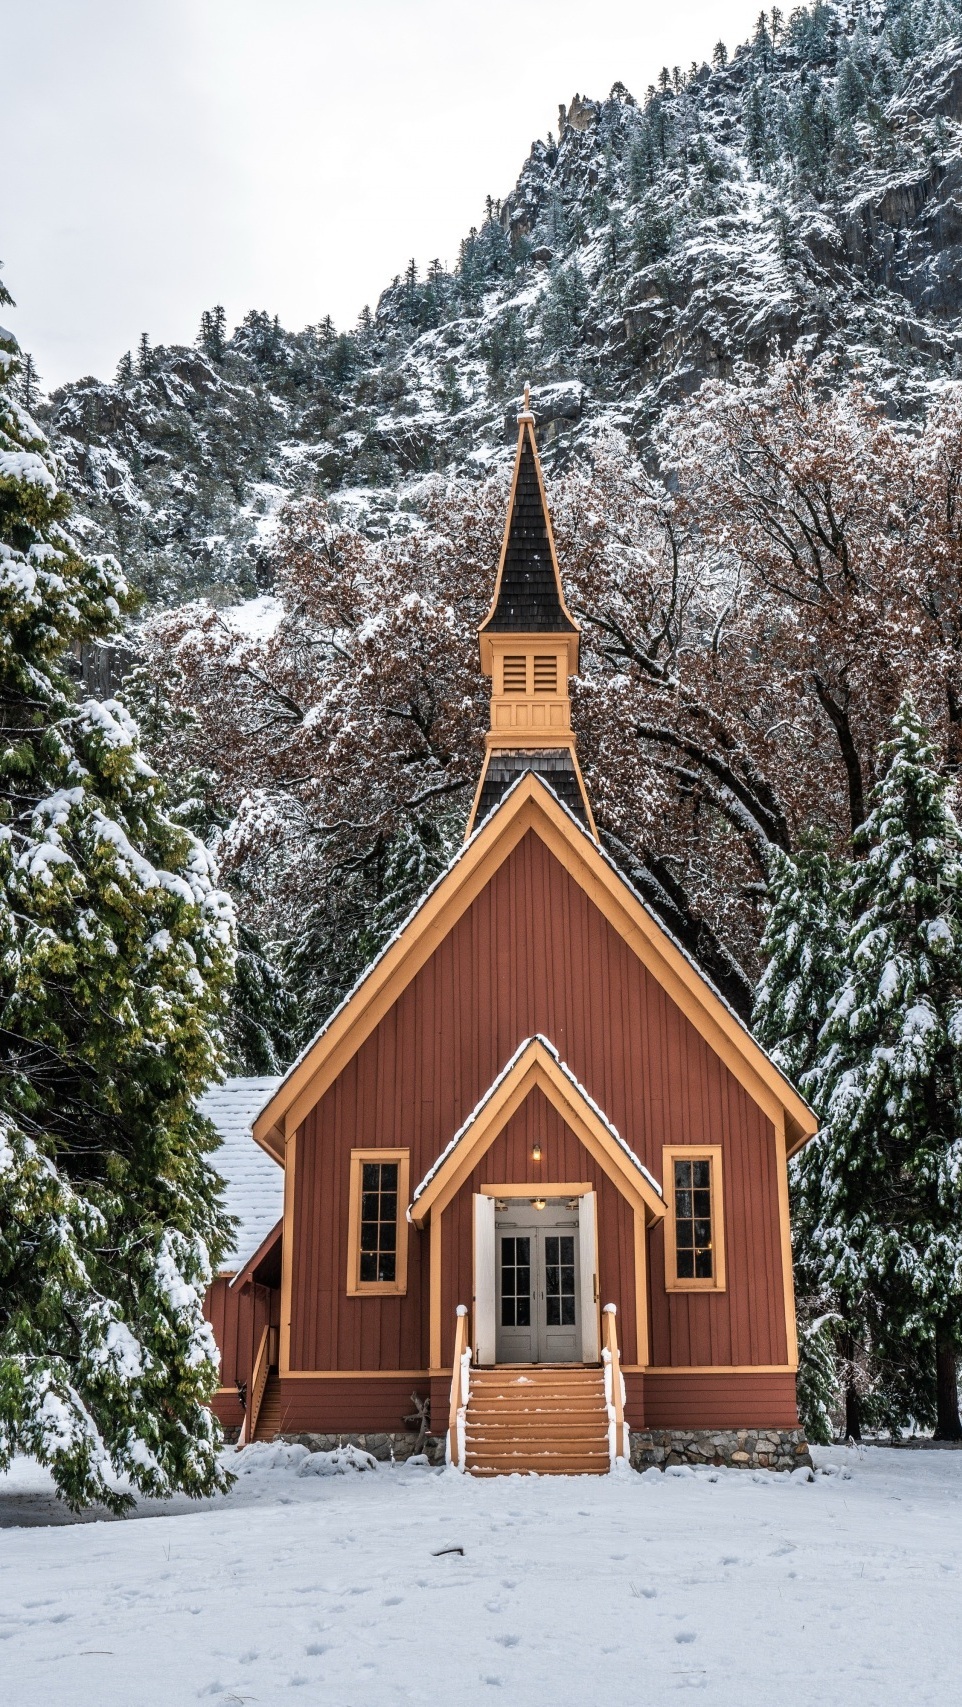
x=536, y=1153
x=538, y=1202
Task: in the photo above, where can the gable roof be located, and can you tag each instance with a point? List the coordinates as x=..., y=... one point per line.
x=529, y=805
x=558, y=767
x=535, y=1064
x=254, y=1184
x=528, y=598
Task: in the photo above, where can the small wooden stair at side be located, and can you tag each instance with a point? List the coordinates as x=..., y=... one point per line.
x=263, y=1418
x=546, y=1418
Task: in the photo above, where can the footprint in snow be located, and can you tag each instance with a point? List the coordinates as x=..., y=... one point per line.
x=508, y=1641
x=492, y=1678
x=315, y=1648
x=393, y=1600
x=684, y=1635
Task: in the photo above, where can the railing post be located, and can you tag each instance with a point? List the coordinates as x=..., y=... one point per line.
x=459, y=1381
x=613, y=1377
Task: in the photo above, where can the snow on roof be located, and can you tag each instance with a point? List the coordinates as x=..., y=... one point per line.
x=612, y=865
x=255, y=1183
x=576, y=1084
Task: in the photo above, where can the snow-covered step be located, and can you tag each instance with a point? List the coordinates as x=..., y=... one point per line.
x=548, y=1419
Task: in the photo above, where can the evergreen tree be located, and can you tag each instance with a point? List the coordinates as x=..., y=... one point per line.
x=29, y=384
x=802, y=946
x=881, y=1185
x=212, y=336
x=145, y=356
x=115, y=953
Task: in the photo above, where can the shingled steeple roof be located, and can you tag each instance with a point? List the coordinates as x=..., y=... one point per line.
x=528, y=597
x=529, y=648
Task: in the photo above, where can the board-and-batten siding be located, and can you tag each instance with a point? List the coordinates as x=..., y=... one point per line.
x=532, y=954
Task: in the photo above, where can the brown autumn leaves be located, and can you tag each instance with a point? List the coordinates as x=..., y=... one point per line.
x=750, y=619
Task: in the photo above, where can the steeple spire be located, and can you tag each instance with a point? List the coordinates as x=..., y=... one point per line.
x=529, y=648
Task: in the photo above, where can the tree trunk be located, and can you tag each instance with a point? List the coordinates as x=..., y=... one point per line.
x=853, y=1420
x=948, y=1425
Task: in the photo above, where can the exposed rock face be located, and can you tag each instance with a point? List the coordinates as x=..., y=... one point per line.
x=805, y=197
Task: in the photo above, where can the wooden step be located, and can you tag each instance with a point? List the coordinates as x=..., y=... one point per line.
x=269, y=1415
x=537, y=1419
x=549, y=1464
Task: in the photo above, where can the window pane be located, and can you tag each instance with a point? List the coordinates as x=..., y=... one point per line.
x=524, y=1312
x=693, y=1220
x=378, y=1229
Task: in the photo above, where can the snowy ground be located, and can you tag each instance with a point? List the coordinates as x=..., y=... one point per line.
x=752, y=1589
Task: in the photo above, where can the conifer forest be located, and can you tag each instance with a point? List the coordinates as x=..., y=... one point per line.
x=243, y=720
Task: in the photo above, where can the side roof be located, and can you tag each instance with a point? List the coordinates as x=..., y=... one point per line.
x=529, y=805
x=254, y=1183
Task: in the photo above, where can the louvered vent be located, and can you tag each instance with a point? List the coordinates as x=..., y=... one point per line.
x=546, y=675
x=515, y=675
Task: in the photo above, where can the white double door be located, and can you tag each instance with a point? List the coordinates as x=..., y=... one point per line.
x=534, y=1282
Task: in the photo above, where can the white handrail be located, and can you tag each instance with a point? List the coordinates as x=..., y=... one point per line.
x=460, y=1390
x=618, y=1433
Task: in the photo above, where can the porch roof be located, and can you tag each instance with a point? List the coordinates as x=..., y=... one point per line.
x=535, y=1063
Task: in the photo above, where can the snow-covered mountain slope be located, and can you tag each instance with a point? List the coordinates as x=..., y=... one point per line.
x=804, y=195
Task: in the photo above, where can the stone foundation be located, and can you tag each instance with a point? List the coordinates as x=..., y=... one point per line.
x=384, y=1447
x=738, y=1448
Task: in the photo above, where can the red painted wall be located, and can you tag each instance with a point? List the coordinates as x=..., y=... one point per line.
x=534, y=954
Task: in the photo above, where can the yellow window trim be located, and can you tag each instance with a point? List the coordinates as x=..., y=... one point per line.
x=694, y=1153
x=356, y=1287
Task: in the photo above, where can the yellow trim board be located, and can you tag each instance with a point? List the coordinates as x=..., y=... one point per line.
x=530, y=807
x=356, y=1287
x=711, y=1153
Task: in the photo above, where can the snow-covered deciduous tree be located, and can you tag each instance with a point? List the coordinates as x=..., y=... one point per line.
x=116, y=950
x=880, y=1187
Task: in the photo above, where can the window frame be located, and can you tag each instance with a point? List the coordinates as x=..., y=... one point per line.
x=712, y=1153
x=356, y=1287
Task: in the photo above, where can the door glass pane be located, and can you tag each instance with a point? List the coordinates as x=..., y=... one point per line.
x=559, y=1262
x=515, y=1282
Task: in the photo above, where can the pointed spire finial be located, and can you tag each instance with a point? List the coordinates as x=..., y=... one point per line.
x=526, y=414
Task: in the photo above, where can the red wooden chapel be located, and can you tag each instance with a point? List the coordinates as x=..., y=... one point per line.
x=532, y=1107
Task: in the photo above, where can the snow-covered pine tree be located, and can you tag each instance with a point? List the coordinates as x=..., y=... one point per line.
x=881, y=1185
x=802, y=946
x=116, y=949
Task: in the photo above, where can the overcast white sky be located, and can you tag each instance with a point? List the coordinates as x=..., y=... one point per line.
x=164, y=155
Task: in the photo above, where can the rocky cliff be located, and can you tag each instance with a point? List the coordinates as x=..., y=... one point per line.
x=803, y=195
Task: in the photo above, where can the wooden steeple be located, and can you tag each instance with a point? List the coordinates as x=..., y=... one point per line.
x=529, y=648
